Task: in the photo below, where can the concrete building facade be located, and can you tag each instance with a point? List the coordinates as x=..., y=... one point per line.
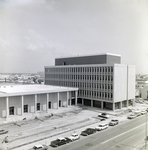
x=20, y=99
x=107, y=85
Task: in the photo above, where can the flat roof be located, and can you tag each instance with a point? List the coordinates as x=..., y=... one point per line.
x=17, y=90
x=90, y=55
x=89, y=65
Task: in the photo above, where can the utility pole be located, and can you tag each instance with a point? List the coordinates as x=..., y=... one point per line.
x=146, y=133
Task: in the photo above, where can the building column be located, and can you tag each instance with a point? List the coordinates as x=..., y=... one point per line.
x=101, y=104
x=91, y=103
x=35, y=103
x=113, y=106
x=58, y=100
x=22, y=109
x=7, y=107
x=76, y=93
x=47, y=102
x=127, y=103
x=70, y=98
x=82, y=101
x=120, y=105
x=67, y=99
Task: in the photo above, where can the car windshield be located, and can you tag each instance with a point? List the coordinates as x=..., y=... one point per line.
x=103, y=114
x=73, y=135
x=100, y=125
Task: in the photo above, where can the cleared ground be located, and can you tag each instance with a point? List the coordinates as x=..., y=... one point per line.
x=42, y=128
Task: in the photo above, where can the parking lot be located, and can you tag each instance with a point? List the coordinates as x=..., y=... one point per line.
x=42, y=128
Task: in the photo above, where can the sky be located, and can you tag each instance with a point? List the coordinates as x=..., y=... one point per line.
x=35, y=32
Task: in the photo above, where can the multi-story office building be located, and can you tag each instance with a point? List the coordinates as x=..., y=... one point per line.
x=101, y=79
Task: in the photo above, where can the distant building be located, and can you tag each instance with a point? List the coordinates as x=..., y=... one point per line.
x=144, y=91
x=102, y=80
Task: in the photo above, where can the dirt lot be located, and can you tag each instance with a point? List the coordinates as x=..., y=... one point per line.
x=42, y=128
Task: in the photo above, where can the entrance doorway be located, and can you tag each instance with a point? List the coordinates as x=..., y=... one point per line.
x=11, y=110
x=49, y=105
x=59, y=103
x=104, y=105
x=38, y=106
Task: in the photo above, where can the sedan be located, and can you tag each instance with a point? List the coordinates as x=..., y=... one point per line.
x=101, y=127
x=132, y=116
x=113, y=122
x=74, y=136
x=88, y=131
x=143, y=112
x=40, y=147
x=104, y=115
x=58, y=142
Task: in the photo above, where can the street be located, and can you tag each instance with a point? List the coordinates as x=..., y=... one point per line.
x=126, y=136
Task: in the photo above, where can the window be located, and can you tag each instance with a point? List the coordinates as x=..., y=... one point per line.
x=25, y=108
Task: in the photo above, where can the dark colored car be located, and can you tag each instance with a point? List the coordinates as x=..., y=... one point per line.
x=58, y=142
x=104, y=115
x=68, y=140
x=102, y=119
x=88, y=131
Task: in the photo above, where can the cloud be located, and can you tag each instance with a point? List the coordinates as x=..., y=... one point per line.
x=4, y=44
x=12, y=3
x=39, y=43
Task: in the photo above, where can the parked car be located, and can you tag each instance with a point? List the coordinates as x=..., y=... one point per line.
x=102, y=126
x=67, y=139
x=143, y=112
x=102, y=119
x=3, y=131
x=88, y=131
x=137, y=113
x=40, y=147
x=74, y=136
x=58, y=142
x=104, y=115
x=131, y=116
x=113, y=122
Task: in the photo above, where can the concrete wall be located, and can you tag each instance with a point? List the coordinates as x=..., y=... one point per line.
x=42, y=99
x=53, y=97
x=15, y=101
x=2, y=106
x=63, y=98
x=131, y=82
x=81, y=60
x=30, y=101
x=144, y=92
x=120, y=83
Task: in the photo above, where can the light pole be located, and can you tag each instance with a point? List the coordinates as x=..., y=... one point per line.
x=146, y=133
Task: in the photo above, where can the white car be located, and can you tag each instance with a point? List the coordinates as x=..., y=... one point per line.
x=143, y=112
x=40, y=147
x=101, y=127
x=74, y=136
x=113, y=122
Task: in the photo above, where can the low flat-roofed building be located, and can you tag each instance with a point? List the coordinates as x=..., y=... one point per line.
x=20, y=99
